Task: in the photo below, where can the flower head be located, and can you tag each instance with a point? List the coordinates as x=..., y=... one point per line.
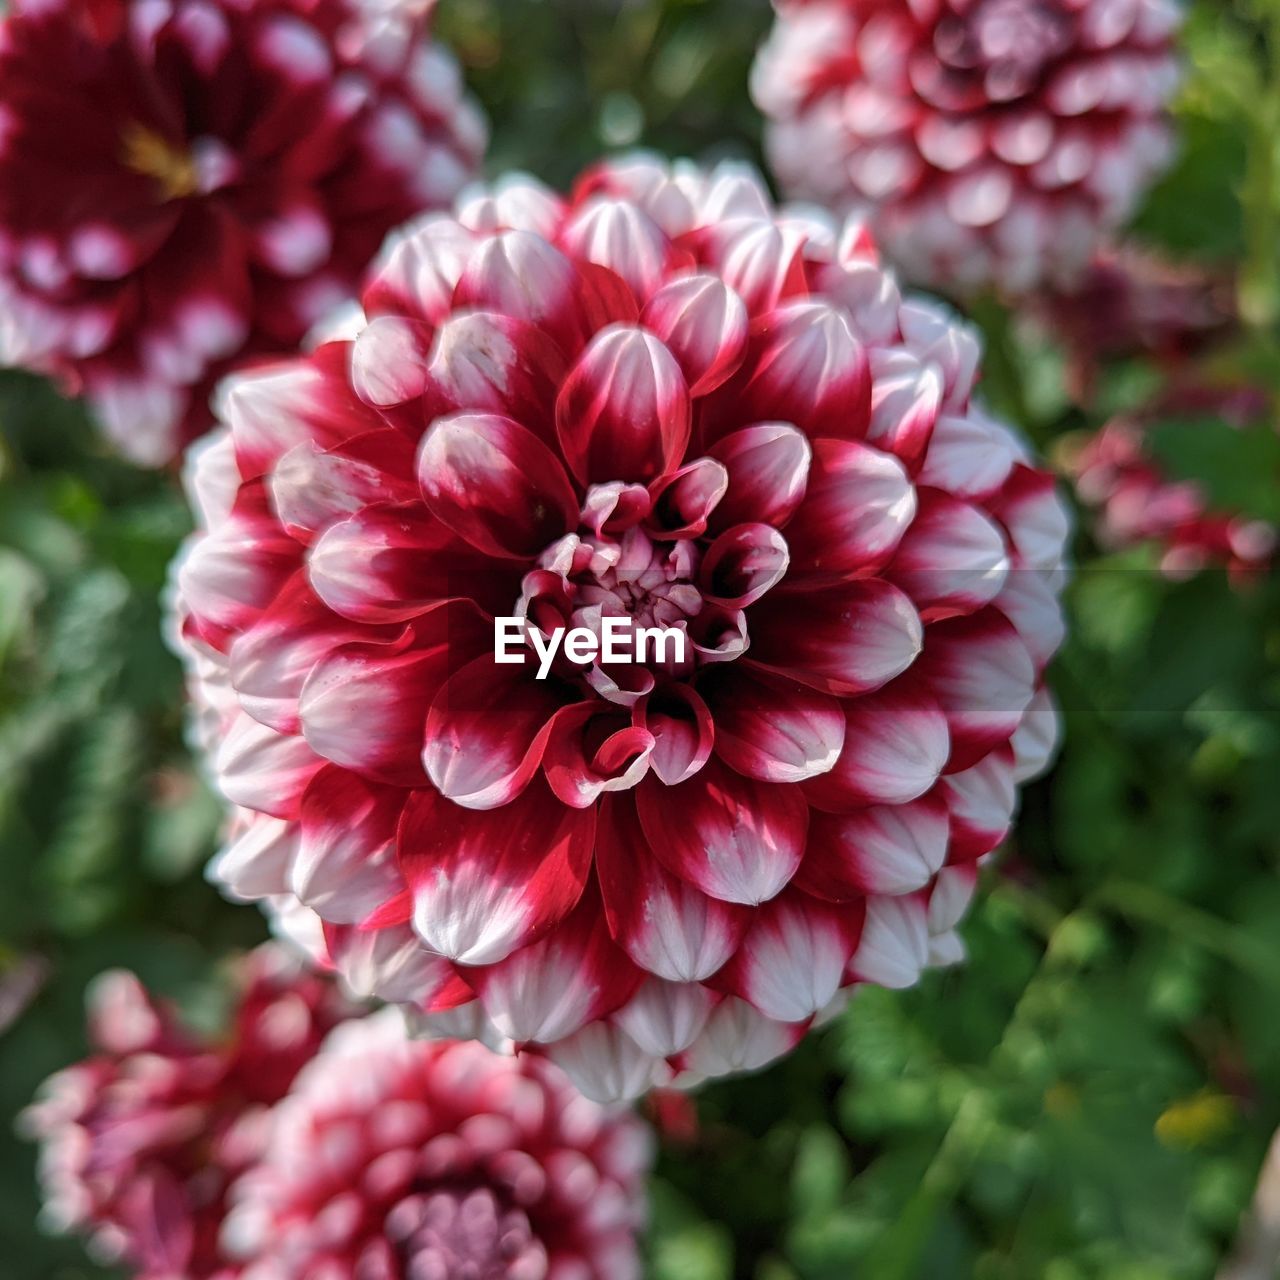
x=660, y=400
x=192, y=183
x=435, y=1161
x=140, y=1142
x=988, y=141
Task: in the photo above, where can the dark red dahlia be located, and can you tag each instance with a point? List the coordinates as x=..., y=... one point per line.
x=394, y=1159
x=987, y=141
x=659, y=402
x=185, y=184
x=1132, y=302
x=140, y=1142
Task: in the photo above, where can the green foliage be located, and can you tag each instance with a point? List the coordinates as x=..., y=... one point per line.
x=1091, y=1096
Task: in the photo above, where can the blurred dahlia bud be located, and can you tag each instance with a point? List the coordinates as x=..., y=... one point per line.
x=185, y=184
x=434, y=1161
x=988, y=141
x=1131, y=302
x=1137, y=503
x=140, y=1142
x=663, y=401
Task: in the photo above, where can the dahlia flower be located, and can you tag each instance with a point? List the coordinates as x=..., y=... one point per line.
x=1131, y=302
x=439, y=1161
x=1137, y=502
x=140, y=1142
x=662, y=400
x=987, y=141
x=185, y=184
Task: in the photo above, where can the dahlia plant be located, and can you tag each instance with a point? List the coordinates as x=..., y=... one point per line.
x=186, y=184
x=141, y=1141
x=660, y=399
x=439, y=1161
x=987, y=141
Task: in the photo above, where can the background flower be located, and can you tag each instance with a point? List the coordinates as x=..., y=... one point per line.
x=185, y=186
x=988, y=143
x=1138, y=502
x=140, y=1142
x=663, y=401
x=400, y=1158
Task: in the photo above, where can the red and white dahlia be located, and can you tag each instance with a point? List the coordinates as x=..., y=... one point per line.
x=988, y=141
x=1138, y=503
x=662, y=400
x=141, y=1141
x=439, y=1161
x=185, y=184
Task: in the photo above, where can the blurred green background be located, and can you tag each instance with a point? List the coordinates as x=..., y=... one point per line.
x=1094, y=1093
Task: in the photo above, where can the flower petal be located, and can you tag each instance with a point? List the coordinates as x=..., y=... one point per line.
x=485, y=884
x=494, y=483
x=704, y=324
x=665, y=1018
x=742, y=564
x=623, y=412
x=952, y=560
x=666, y=926
x=682, y=729
x=850, y=639
x=735, y=840
x=896, y=743
x=418, y=269
x=906, y=396
x=345, y=866
x=389, y=361
x=391, y=562
x=771, y=728
x=809, y=369
x=768, y=466
x=364, y=706
x=483, y=362
x=312, y=488
x=594, y=748
x=980, y=672
x=793, y=958
x=487, y=731
x=548, y=990
x=858, y=505
x=888, y=849
x=738, y=1038
x=606, y=1065
x=269, y=661
x=982, y=801
x=229, y=577
x=894, y=948
x=262, y=770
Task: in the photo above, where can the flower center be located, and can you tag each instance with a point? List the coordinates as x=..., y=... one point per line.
x=464, y=1235
x=153, y=156
x=1009, y=42
x=650, y=583
x=648, y=560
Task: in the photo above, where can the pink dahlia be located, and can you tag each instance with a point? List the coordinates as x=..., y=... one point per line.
x=396, y=1158
x=988, y=141
x=661, y=401
x=185, y=184
x=1137, y=502
x=140, y=1142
